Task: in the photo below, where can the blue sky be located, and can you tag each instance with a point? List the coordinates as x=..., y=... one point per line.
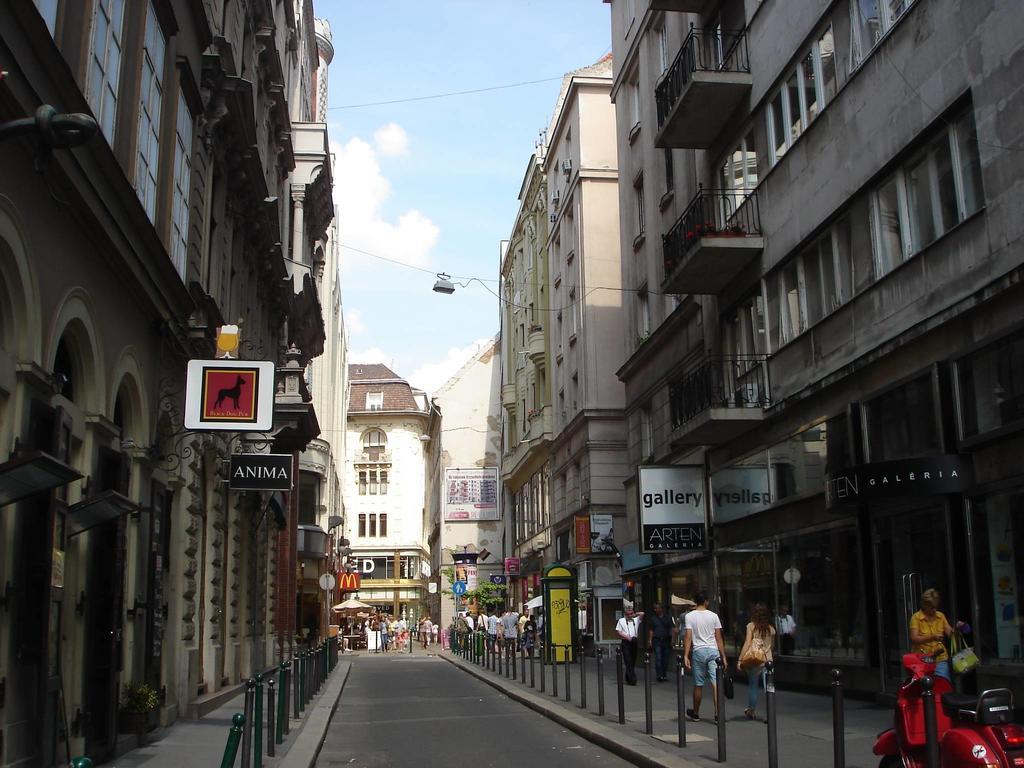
x=434, y=183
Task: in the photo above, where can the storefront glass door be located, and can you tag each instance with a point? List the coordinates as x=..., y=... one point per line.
x=911, y=555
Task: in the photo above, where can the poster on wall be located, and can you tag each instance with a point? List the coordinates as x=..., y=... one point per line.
x=470, y=494
x=673, y=508
x=602, y=540
x=582, y=525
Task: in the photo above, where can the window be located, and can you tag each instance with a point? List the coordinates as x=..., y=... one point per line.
x=785, y=305
x=902, y=424
x=670, y=174
x=743, y=329
x=374, y=443
x=383, y=524
x=572, y=313
x=643, y=315
x=738, y=170
x=151, y=94
x=374, y=401
x=936, y=189
x=362, y=476
x=991, y=386
x=48, y=10
x=634, y=107
x=373, y=526
x=804, y=94
x=383, y=482
x=182, y=185
x=309, y=493
x=664, y=51
x=105, y=63
x=869, y=21
x=646, y=433
x=362, y=525
x=638, y=194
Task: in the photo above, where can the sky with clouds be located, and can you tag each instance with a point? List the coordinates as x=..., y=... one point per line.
x=433, y=183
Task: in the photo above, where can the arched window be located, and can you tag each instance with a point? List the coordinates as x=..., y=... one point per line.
x=63, y=370
x=374, y=443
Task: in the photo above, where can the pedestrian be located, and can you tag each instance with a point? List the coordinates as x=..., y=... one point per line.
x=491, y=624
x=627, y=628
x=786, y=627
x=928, y=631
x=435, y=629
x=510, y=629
x=702, y=648
x=529, y=635
x=425, y=627
x=756, y=652
x=661, y=634
x=384, y=637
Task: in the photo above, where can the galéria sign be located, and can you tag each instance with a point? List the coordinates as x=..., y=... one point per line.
x=929, y=475
x=673, y=508
x=260, y=472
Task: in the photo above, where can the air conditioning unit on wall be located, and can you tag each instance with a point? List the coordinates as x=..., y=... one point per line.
x=566, y=167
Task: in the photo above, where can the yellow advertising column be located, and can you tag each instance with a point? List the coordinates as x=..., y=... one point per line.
x=560, y=628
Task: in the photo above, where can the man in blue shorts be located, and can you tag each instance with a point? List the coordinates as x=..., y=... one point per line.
x=702, y=648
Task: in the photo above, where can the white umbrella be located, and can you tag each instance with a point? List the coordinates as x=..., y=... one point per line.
x=536, y=602
x=351, y=605
x=683, y=601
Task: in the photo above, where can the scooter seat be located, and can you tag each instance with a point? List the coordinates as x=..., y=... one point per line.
x=992, y=707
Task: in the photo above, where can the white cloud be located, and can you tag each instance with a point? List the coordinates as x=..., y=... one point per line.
x=371, y=355
x=354, y=322
x=360, y=192
x=391, y=140
x=432, y=376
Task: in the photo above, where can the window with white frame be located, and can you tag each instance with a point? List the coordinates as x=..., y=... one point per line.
x=784, y=299
x=374, y=443
x=643, y=315
x=664, y=52
x=374, y=401
x=804, y=93
x=743, y=332
x=105, y=63
x=48, y=10
x=934, y=190
x=634, y=105
x=670, y=171
x=151, y=96
x=182, y=185
x=646, y=432
x=638, y=203
x=738, y=170
x=869, y=21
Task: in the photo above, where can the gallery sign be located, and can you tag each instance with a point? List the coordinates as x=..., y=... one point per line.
x=235, y=395
x=260, y=472
x=673, y=508
x=930, y=475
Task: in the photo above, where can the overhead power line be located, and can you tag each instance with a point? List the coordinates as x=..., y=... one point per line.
x=445, y=95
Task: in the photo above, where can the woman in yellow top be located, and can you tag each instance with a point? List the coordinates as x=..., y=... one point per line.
x=928, y=631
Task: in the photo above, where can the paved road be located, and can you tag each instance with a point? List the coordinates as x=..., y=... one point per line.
x=420, y=711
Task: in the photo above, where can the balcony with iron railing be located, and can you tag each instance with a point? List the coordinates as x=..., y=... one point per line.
x=717, y=235
x=719, y=399
x=700, y=91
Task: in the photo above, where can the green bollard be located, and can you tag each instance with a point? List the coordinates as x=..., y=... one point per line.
x=230, y=749
x=257, y=722
x=282, y=701
x=81, y=762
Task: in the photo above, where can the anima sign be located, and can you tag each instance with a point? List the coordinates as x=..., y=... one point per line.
x=233, y=395
x=673, y=508
x=260, y=472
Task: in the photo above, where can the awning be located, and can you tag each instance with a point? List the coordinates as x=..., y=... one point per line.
x=33, y=473
x=536, y=602
x=97, y=510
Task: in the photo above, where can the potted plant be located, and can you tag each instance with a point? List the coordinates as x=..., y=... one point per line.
x=139, y=702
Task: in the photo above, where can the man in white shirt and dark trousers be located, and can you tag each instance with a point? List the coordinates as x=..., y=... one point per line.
x=627, y=628
x=702, y=647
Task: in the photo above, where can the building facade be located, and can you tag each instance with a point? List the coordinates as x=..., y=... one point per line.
x=127, y=558
x=464, y=513
x=384, y=490
x=839, y=344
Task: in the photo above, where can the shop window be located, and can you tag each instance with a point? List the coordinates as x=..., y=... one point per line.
x=902, y=423
x=811, y=577
x=997, y=522
x=991, y=386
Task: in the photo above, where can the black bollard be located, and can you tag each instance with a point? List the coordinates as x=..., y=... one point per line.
x=295, y=673
x=583, y=678
x=283, y=711
x=648, y=706
x=532, y=673
x=600, y=681
x=770, y=714
x=554, y=670
x=838, y=721
x=681, y=698
x=543, y=652
x=512, y=653
x=720, y=699
x=568, y=694
x=620, y=684
x=271, y=726
x=931, y=731
x=250, y=694
x=257, y=724
x=522, y=665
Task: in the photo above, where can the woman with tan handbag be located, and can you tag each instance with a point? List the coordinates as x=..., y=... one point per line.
x=756, y=651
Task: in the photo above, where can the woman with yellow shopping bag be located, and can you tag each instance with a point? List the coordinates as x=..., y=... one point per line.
x=928, y=630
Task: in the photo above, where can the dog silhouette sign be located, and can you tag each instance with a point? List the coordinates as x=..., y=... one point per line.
x=229, y=395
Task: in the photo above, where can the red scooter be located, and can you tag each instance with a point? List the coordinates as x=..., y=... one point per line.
x=972, y=730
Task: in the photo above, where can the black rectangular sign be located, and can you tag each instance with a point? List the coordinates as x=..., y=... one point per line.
x=930, y=475
x=260, y=472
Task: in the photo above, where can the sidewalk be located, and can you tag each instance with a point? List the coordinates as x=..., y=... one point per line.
x=804, y=721
x=200, y=743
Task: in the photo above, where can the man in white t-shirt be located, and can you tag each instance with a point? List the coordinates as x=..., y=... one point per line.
x=628, y=629
x=702, y=648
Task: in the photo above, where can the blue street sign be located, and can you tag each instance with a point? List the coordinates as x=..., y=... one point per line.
x=459, y=588
x=498, y=578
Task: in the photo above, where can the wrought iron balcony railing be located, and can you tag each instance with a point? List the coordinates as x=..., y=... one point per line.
x=730, y=381
x=711, y=213
x=703, y=50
